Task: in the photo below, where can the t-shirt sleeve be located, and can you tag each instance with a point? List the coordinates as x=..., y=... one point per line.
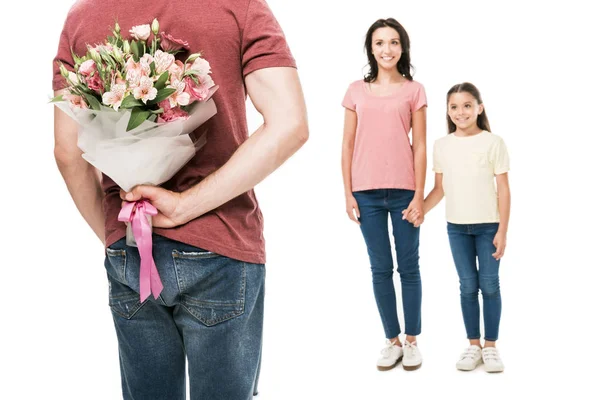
x=348, y=101
x=419, y=99
x=499, y=158
x=64, y=56
x=263, y=41
x=437, y=162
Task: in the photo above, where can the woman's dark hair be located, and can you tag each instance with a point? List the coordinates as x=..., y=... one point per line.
x=482, y=120
x=403, y=65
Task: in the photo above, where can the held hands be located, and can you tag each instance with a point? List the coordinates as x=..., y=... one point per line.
x=352, y=209
x=414, y=213
x=500, y=244
x=166, y=202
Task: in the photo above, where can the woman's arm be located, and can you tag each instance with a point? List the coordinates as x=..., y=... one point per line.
x=350, y=123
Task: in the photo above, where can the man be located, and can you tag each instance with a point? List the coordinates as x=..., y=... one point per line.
x=208, y=247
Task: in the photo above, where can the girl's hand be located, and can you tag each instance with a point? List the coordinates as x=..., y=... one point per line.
x=500, y=244
x=352, y=209
x=414, y=213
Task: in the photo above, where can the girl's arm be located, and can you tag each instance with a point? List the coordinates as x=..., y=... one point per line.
x=504, y=209
x=436, y=195
x=350, y=122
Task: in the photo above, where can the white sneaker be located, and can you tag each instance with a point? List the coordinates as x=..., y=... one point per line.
x=491, y=360
x=390, y=356
x=412, y=357
x=470, y=359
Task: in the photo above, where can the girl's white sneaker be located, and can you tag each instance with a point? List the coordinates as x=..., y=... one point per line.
x=470, y=359
x=491, y=360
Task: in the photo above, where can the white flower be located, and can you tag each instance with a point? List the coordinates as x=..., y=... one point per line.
x=146, y=90
x=180, y=97
x=73, y=78
x=140, y=32
x=163, y=61
x=201, y=65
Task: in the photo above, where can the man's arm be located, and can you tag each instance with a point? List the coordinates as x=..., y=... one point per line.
x=82, y=179
x=277, y=95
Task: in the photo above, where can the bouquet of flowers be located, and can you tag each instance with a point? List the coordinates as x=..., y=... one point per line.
x=137, y=107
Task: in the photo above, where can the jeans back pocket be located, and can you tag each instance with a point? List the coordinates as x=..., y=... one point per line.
x=213, y=287
x=122, y=300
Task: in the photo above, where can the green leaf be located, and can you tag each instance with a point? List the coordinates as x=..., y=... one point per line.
x=162, y=79
x=152, y=68
x=92, y=101
x=162, y=94
x=57, y=99
x=138, y=116
x=136, y=50
x=130, y=102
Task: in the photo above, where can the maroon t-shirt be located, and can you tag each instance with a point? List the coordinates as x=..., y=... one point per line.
x=236, y=38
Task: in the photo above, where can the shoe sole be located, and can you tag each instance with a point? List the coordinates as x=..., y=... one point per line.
x=494, y=371
x=411, y=367
x=381, y=368
x=469, y=369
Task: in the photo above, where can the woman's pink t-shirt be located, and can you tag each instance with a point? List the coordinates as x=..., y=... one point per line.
x=383, y=157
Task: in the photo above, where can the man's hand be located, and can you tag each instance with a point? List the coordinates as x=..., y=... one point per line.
x=166, y=202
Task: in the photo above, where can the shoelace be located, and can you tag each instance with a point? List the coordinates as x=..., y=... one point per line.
x=387, y=349
x=409, y=349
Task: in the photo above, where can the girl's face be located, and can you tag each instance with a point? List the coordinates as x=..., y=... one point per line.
x=463, y=110
x=386, y=47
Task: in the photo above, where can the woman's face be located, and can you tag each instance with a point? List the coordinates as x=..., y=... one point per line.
x=386, y=47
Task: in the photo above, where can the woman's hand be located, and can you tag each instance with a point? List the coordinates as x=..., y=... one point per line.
x=352, y=209
x=414, y=213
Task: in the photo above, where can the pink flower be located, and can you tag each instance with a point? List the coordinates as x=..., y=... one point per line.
x=172, y=114
x=135, y=71
x=169, y=43
x=75, y=100
x=146, y=90
x=201, y=90
x=115, y=96
x=176, y=70
x=87, y=68
x=95, y=82
x=165, y=104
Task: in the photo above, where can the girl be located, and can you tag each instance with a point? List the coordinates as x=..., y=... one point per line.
x=466, y=162
x=384, y=174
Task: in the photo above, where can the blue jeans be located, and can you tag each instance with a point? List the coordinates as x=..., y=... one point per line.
x=471, y=242
x=375, y=207
x=210, y=311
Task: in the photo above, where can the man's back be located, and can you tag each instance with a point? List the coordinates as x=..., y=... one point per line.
x=237, y=38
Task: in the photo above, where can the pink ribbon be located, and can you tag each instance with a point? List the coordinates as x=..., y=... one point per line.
x=136, y=214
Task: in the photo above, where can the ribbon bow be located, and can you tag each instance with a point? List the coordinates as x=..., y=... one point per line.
x=137, y=215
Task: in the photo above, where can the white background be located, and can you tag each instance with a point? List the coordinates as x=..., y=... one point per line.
x=535, y=63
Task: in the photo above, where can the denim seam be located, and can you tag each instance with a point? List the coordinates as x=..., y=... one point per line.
x=179, y=280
